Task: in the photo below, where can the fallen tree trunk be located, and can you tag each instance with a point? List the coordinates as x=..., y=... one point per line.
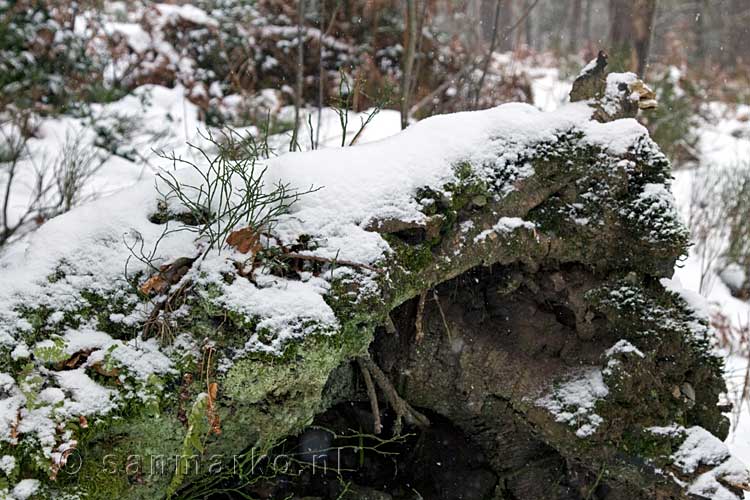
x=501, y=275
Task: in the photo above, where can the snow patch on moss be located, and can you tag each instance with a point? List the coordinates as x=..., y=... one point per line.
x=574, y=402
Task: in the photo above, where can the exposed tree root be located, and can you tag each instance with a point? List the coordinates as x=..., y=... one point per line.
x=420, y=317
x=442, y=315
x=402, y=408
x=372, y=395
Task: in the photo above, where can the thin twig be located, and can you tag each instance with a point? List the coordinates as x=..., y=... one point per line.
x=338, y=262
x=493, y=43
x=521, y=19
x=411, y=47
x=486, y=64
x=321, y=72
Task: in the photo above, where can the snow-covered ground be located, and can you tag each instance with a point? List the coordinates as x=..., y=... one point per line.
x=721, y=148
x=151, y=120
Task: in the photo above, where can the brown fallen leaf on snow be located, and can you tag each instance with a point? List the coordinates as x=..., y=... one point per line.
x=76, y=360
x=60, y=457
x=169, y=274
x=155, y=283
x=104, y=371
x=245, y=240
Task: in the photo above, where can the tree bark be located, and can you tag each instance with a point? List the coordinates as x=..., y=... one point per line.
x=506, y=17
x=528, y=25
x=738, y=36
x=573, y=25
x=631, y=22
x=587, y=24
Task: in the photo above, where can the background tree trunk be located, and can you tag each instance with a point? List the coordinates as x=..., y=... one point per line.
x=737, y=51
x=697, y=56
x=573, y=24
x=506, y=21
x=631, y=22
x=490, y=51
x=587, y=25
x=528, y=26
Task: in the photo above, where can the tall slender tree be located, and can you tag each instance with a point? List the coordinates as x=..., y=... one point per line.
x=631, y=22
x=587, y=24
x=737, y=48
x=574, y=22
x=528, y=25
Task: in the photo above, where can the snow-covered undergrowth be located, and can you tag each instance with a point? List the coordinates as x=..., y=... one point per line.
x=128, y=135
x=722, y=147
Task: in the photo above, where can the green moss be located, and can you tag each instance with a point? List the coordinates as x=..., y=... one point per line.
x=413, y=258
x=102, y=308
x=90, y=305
x=283, y=393
x=657, y=448
x=126, y=458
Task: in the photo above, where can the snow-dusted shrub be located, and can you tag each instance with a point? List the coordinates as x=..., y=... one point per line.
x=52, y=191
x=229, y=193
x=74, y=167
x=719, y=204
x=44, y=60
x=736, y=196
x=673, y=124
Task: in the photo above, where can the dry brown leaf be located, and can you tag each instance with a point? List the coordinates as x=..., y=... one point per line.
x=76, y=360
x=83, y=422
x=155, y=283
x=101, y=370
x=60, y=457
x=14, y=429
x=245, y=240
x=213, y=390
x=213, y=417
x=73, y=361
x=169, y=274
